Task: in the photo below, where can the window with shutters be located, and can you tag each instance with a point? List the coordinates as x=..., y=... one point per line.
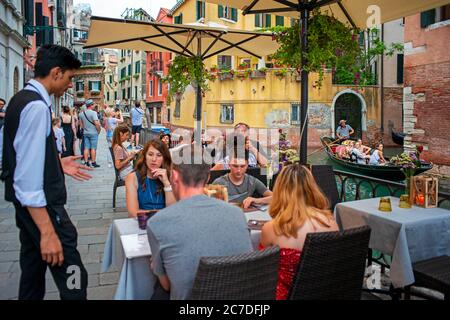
x=228, y=13
x=200, y=10
x=160, y=87
x=110, y=79
x=115, y=95
x=123, y=72
x=224, y=62
x=95, y=85
x=151, y=88
x=79, y=85
x=107, y=96
x=129, y=69
x=124, y=95
x=177, y=111
x=427, y=18
x=227, y=113
x=295, y=113
x=137, y=67
x=178, y=19
x=279, y=21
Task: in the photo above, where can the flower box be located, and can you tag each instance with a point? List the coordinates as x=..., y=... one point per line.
x=95, y=92
x=226, y=75
x=257, y=74
x=80, y=93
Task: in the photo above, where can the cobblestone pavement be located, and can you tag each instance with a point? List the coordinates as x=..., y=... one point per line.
x=90, y=206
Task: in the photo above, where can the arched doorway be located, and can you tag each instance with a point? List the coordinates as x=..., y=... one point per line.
x=16, y=80
x=350, y=106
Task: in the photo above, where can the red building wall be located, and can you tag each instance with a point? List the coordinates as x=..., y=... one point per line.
x=158, y=61
x=427, y=90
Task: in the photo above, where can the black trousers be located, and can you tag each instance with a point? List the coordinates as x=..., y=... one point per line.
x=70, y=278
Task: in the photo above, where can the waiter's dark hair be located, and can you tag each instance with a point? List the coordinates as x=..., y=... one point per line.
x=4, y=101
x=50, y=56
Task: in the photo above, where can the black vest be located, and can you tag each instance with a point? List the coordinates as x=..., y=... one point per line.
x=54, y=184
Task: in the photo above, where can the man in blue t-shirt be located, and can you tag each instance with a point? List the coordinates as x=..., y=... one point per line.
x=136, y=114
x=344, y=131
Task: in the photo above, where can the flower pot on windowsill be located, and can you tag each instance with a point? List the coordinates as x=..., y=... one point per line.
x=226, y=76
x=136, y=76
x=80, y=93
x=95, y=92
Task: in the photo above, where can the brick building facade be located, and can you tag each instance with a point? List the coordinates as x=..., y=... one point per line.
x=427, y=86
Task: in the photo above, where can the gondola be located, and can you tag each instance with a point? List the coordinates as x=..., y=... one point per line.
x=398, y=137
x=385, y=172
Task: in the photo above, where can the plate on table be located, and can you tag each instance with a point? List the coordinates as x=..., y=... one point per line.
x=254, y=224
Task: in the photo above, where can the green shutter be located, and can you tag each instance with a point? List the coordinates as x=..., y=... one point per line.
x=427, y=18
x=90, y=85
x=220, y=11
x=400, y=64
x=129, y=69
x=234, y=15
x=268, y=23
x=198, y=7
x=181, y=18
x=279, y=21
x=257, y=24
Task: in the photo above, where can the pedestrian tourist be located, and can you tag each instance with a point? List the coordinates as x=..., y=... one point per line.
x=91, y=129
x=34, y=180
x=137, y=114
x=148, y=188
x=123, y=158
x=59, y=136
x=111, y=122
x=298, y=207
x=2, y=112
x=196, y=226
x=68, y=125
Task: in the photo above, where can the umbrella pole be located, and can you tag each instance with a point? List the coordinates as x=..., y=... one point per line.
x=304, y=17
x=198, y=104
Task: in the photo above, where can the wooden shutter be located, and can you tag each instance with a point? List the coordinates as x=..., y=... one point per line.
x=268, y=22
x=279, y=21
x=427, y=18
x=234, y=15
x=257, y=20
x=39, y=22
x=220, y=11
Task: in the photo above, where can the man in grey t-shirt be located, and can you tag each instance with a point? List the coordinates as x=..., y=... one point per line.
x=243, y=188
x=91, y=129
x=194, y=227
x=344, y=131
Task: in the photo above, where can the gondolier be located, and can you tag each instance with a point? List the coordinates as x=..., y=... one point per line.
x=34, y=181
x=344, y=131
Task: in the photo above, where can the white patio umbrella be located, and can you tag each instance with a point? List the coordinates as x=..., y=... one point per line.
x=361, y=14
x=194, y=40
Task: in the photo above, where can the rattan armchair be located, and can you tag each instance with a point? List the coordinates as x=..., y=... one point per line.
x=332, y=266
x=249, y=276
x=325, y=178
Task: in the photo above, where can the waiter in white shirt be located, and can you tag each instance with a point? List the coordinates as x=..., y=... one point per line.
x=34, y=181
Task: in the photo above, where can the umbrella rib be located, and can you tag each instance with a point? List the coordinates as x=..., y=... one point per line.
x=212, y=44
x=288, y=3
x=236, y=45
x=165, y=48
x=190, y=41
x=273, y=10
x=129, y=40
x=247, y=10
x=173, y=40
x=347, y=14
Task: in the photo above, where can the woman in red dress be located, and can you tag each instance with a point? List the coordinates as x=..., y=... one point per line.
x=298, y=207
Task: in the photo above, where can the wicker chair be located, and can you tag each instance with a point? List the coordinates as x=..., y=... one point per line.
x=324, y=176
x=332, y=266
x=118, y=182
x=248, y=276
x=434, y=274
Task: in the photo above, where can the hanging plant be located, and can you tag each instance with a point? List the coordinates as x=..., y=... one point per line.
x=185, y=71
x=331, y=44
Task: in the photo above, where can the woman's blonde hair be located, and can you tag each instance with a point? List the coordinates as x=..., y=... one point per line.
x=296, y=199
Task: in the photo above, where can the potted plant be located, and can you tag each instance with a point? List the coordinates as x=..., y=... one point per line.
x=95, y=92
x=136, y=75
x=80, y=93
x=226, y=74
x=260, y=73
x=281, y=72
x=243, y=66
x=214, y=69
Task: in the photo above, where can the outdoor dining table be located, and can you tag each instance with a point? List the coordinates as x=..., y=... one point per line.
x=407, y=235
x=127, y=249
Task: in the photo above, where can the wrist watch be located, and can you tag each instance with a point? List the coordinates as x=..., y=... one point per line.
x=167, y=189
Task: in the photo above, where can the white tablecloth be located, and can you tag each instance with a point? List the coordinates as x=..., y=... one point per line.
x=408, y=235
x=136, y=280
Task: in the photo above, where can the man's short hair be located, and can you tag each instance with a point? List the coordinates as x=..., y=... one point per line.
x=240, y=124
x=50, y=56
x=194, y=170
x=3, y=100
x=137, y=104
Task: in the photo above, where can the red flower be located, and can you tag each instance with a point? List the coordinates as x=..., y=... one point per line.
x=420, y=149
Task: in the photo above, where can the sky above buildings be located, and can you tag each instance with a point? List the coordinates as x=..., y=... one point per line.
x=114, y=8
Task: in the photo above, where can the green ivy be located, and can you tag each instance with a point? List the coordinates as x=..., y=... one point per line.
x=184, y=71
x=331, y=44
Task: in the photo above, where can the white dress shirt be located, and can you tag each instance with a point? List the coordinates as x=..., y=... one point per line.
x=29, y=144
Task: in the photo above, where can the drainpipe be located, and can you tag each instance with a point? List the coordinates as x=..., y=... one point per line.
x=382, y=84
